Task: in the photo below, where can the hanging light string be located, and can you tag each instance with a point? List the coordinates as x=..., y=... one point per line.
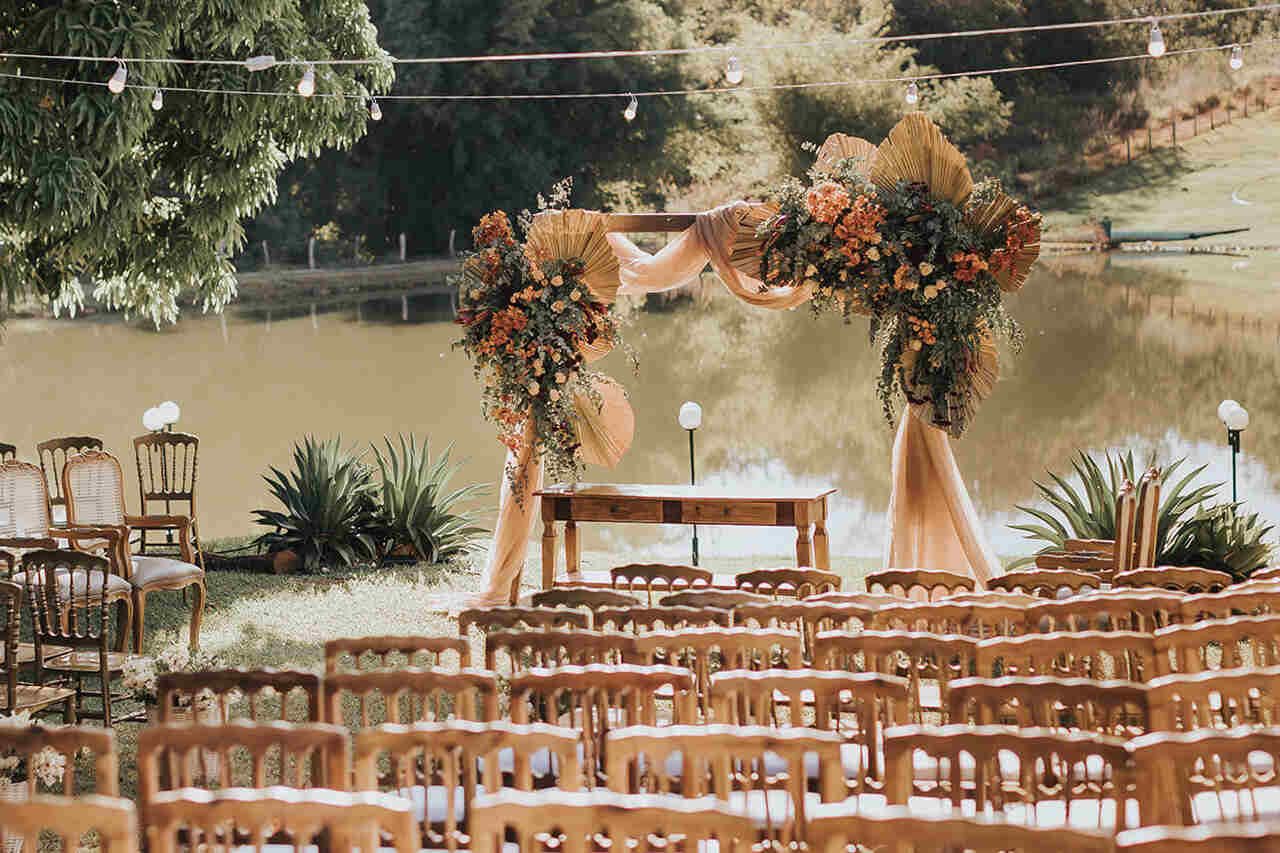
x=714, y=90
x=672, y=51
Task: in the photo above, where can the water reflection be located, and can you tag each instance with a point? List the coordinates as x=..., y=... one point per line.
x=1118, y=354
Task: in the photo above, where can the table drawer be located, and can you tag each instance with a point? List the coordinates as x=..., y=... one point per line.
x=611, y=509
x=714, y=512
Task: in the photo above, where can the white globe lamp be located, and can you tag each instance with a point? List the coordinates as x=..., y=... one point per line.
x=153, y=420
x=690, y=418
x=1235, y=418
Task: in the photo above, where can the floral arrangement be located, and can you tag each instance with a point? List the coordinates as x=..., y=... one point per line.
x=141, y=675
x=531, y=322
x=48, y=766
x=929, y=261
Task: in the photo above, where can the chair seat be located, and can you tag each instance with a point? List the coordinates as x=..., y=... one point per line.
x=27, y=652
x=117, y=587
x=150, y=571
x=36, y=697
x=88, y=662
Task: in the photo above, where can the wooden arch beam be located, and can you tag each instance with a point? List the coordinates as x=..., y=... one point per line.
x=639, y=223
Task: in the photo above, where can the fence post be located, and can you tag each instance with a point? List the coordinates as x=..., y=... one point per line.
x=1173, y=124
x=266, y=254
x=1148, y=138
x=311, y=252
x=401, y=245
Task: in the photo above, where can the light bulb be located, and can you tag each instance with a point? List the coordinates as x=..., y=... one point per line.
x=913, y=92
x=1237, y=58
x=260, y=63
x=116, y=83
x=630, y=112
x=1237, y=419
x=157, y=100
x=733, y=71
x=1225, y=407
x=690, y=415
x=152, y=420
x=169, y=411
x=307, y=85
x=375, y=111
x=1155, y=45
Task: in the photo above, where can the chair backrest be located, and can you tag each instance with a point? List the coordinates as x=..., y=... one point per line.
x=1219, y=698
x=8, y=451
x=846, y=829
x=722, y=599
x=796, y=583
x=948, y=617
x=366, y=820
x=1100, y=565
x=1257, y=837
x=166, y=470
x=1047, y=583
x=585, y=598
x=54, y=454
x=1207, y=775
x=68, y=614
x=641, y=619
x=1113, y=610
x=808, y=616
x=353, y=652
x=24, y=505
x=10, y=616
x=112, y=819
x=1146, y=524
x=486, y=619
x=934, y=583
x=1179, y=578
x=732, y=648
x=1253, y=598
x=364, y=699
x=93, y=489
x=1097, y=655
x=1123, y=551
x=581, y=822
x=434, y=763
x=1220, y=643
x=1121, y=708
x=258, y=695
x=993, y=596
x=1267, y=574
x=55, y=751
x=657, y=577
x=1012, y=772
x=549, y=648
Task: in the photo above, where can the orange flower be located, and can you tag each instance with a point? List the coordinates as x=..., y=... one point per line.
x=827, y=201
x=493, y=230
x=905, y=277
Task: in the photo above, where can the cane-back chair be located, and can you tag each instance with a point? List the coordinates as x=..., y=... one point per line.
x=1121, y=708
x=522, y=650
x=945, y=616
x=1047, y=583
x=1187, y=579
x=1253, y=598
x=1220, y=644
x=1097, y=655
x=53, y=455
x=94, y=487
x=382, y=652
x=255, y=695
x=359, y=700
x=932, y=583
x=1218, y=698
x=516, y=617
x=658, y=577
x=66, y=745
x=1142, y=610
x=167, y=485
x=19, y=696
x=641, y=619
x=794, y=583
x=1208, y=775
x=704, y=650
x=112, y=821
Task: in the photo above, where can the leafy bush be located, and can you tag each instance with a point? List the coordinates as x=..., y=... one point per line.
x=328, y=507
x=1221, y=538
x=416, y=509
x=1091, y=513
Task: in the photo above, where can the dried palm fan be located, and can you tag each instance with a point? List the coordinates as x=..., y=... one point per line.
x=990, y=219
x=604, y=434
x=597, y=350
x=842, y=146
x=564, y=234
x=747, y=248
x=916, y=150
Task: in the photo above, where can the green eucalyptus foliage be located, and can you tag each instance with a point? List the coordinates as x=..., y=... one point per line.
x=417, y=509
x=329, y=507
x=1090, y=512
x=143, y=205
x=1222, y=538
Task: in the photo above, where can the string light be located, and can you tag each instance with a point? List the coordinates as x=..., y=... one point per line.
x=1155, y=44
x=1237, y=57
x=307, y=85
x=733, y=71
x=116, y=83
x=375, y=111
x=913, y=92
x=260, y=63
x=630, y=112
x=157, y=100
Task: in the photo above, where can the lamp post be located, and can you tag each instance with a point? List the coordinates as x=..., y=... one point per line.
x=1235, y=418
x=690, y=419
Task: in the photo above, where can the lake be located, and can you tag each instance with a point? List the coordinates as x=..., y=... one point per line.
x=1121, y=351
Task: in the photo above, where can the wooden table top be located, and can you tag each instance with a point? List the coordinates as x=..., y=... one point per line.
x=681, y=493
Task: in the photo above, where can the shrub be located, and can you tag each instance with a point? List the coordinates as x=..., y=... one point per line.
x=1221, y=538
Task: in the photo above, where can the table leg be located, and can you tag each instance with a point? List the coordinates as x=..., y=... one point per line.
x=804, y=553
x=821, y=548
x=572, y=549
x=548, y=553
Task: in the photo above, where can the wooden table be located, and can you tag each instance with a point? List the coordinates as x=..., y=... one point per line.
x=798, y=508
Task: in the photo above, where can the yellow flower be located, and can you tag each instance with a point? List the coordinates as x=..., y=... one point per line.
x=537, y=273
x=557, y=306
x=555, y=395
x=557, y=280
x=555, y=356
x=916, y=345
x=560, y=378
x=575, y=295
x=538, y=369
x=533, y=388
x=926, y=268
x=873, y=253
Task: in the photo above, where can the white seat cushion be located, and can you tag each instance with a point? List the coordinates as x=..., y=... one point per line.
x=116, y=585
x=151, y=570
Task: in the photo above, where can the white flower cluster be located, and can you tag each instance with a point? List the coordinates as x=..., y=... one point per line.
x=139, y=677
x=48, y=765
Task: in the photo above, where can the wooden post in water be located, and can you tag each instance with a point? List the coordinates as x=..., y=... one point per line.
x=404, y=307
x=266, y=254
x=452, y=233
x=311, y=252
x=402, y=244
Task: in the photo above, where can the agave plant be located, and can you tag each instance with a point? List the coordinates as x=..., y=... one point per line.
x=417, y=510
x=1090, y=513
x=1221, y=538
x=328, y=507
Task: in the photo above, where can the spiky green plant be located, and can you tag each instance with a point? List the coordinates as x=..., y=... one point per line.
x=1090, y=513
x=328, y=507
x=1221, y=538
x=417, y=510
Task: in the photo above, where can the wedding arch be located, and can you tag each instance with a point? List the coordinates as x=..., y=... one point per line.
x=898, y=232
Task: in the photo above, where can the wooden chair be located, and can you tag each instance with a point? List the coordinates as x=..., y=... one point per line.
x=1121, y=708
x=844, y=828
x=68, y=742
x=1047, y=583
x=994, y=596
x=1027, y=776
x=1096, y=655
x=721, y=599
x=705, y=649
x=350, y=652
x=796, y=583
x=340, y=821
x=582, y=822
x=1254, y=598
x=935, y=583
x=359, y=700
x=112, y=820
x=919, y=657
x=271, y=694
x=1271, y=573
x=759, y=771
x=19, y=696
x=1113, y=610
x=584, y=598
x=522, y=650
x=641, y=619
x=948, y=617
x=94, y=489
x=1208, y=776
x=1101, y=557
x=1259, y=837
x=70, y=594
x=53, y=455
x=1178, y=578
x=167, y=483
x=806, y=616
x=1146, y=521
x=658, y=577
x=514, y=617
x=8, y=452
x=1219, y=698
x=1220, y=644
x=441, y=767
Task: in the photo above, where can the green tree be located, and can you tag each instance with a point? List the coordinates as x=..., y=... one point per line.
x=146, y=205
